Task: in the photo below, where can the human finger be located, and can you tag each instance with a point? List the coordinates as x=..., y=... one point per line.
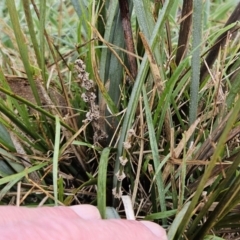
x=15, y=214
x=77, y=228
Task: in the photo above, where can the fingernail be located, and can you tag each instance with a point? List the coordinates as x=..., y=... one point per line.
x=155, y=229
x=86, y=211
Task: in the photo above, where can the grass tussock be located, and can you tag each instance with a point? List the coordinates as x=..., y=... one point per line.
x=106, y=99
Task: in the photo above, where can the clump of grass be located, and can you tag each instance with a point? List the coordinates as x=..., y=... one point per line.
x=101, y=100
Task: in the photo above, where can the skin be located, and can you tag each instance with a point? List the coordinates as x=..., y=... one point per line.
x=70, y=223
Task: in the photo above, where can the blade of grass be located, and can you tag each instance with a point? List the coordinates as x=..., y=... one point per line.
x=102, y=181
x=5, y=139
x=155, y=154
x=8, y=186
x=11, y=160
x=55, y=159
x=5, y=169
x=212, y=237
x=77, y=7
x=41, y=35
x=234, y=91
x=22, y=47
x=107, y=58
x=61, y=189
x=182, y=177
x=22, y=174
x=177, y=221
x=195, y=62
x=28, y=15
x=112, y=213
x=144, y=17
x=161, y=215
x=80, y=8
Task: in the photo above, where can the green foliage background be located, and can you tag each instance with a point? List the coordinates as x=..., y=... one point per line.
x=160, y=124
